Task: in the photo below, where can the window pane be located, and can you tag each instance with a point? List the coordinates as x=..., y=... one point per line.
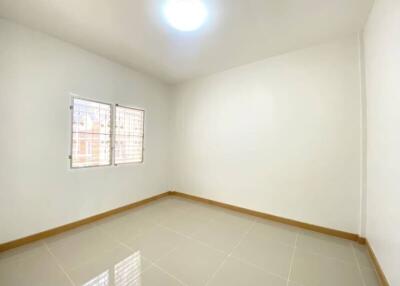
x=91, y=117
x=91, y=134
x=128, y=135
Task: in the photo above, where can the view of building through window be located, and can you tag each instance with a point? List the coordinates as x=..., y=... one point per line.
x=91, y=134
x=128, y=135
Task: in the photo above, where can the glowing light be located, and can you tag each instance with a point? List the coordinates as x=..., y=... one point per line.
x=185, y=15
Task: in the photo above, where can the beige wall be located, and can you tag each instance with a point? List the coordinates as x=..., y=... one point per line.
x=280, y=136
x=38, y=190
x=382, y=61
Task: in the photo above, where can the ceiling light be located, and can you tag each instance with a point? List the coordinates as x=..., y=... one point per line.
x=185, y=15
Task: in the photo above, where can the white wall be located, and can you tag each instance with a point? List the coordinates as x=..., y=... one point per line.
x=280, y=136
x=382, y=61
x=38, y=191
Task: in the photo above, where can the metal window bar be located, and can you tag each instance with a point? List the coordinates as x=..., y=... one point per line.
x=129, y=135
x=91, y=138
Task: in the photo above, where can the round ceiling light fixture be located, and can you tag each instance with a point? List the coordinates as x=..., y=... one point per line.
x=185, y=15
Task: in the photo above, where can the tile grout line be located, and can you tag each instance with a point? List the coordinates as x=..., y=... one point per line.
x=250, y=263
x=218, y=250
x=243, y=236
x=217, y=270
x=292, y=259
x=252, y=224
x=259, y=268
x=57, y=262
x=256, y=219
x=191, y=238
x=167, y=273
x=330, y=257
x=213, y=248
x=230, y=254
x=153, y=263
x=358, y=265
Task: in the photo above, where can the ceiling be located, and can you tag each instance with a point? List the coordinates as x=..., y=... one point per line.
x=133, y=32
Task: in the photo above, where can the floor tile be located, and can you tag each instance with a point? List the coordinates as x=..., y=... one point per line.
x=362, y=255
x=185, y=223
x=155, y=243
x=126, y=227
x=237, y=273
x=155, y=277
x=117, y=266
x=311, y=269
x=221, y=235
x=276, y=231
x=175, y=241
x=370, y=276
x=22, y=252
x=205, y=211
x=270, y=255
x=154, y=211
x=176, y=204
x=79, y=245
x=192, y=263
x=181, y=203
x=326, y=245
x=234, y=218
x=291, y=283
x=32, y=265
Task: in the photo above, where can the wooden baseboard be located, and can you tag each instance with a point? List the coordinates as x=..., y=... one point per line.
x=379, y=271
x=328, y=231
x=362, y=240
x=316, y=228
x=69, y=226
x=66, y=227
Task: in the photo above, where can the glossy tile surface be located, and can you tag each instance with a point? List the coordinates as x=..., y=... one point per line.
x=32, y=266
x=326, y=245
x=192, y=262
x=174, y=242
x=117, y=266
x=270, y=255
x=313, y=269
x=237, y=273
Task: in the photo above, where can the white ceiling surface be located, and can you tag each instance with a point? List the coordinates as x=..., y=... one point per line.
x=134, y=33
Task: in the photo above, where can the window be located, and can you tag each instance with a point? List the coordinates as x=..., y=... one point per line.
x=128, y=135
x=91, y=134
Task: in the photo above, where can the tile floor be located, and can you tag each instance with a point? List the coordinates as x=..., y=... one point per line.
x=175, y=242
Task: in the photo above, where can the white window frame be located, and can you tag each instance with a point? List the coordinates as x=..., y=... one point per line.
x=73, y=98
x=113, y=120
x=115, y=133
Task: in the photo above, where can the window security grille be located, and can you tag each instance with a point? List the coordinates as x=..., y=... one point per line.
x=129, y=135
x=91, y=134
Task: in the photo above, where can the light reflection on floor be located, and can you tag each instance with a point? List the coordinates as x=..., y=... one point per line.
x=125, y=273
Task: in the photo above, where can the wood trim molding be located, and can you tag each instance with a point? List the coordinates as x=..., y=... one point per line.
x=338, y=233
x=54, y=231
x=362, y=240
x=316, y=228
x=320, y=229
x=378, y=268
x=69, y=226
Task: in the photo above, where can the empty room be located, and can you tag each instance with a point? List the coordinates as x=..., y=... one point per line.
x=200, y=143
